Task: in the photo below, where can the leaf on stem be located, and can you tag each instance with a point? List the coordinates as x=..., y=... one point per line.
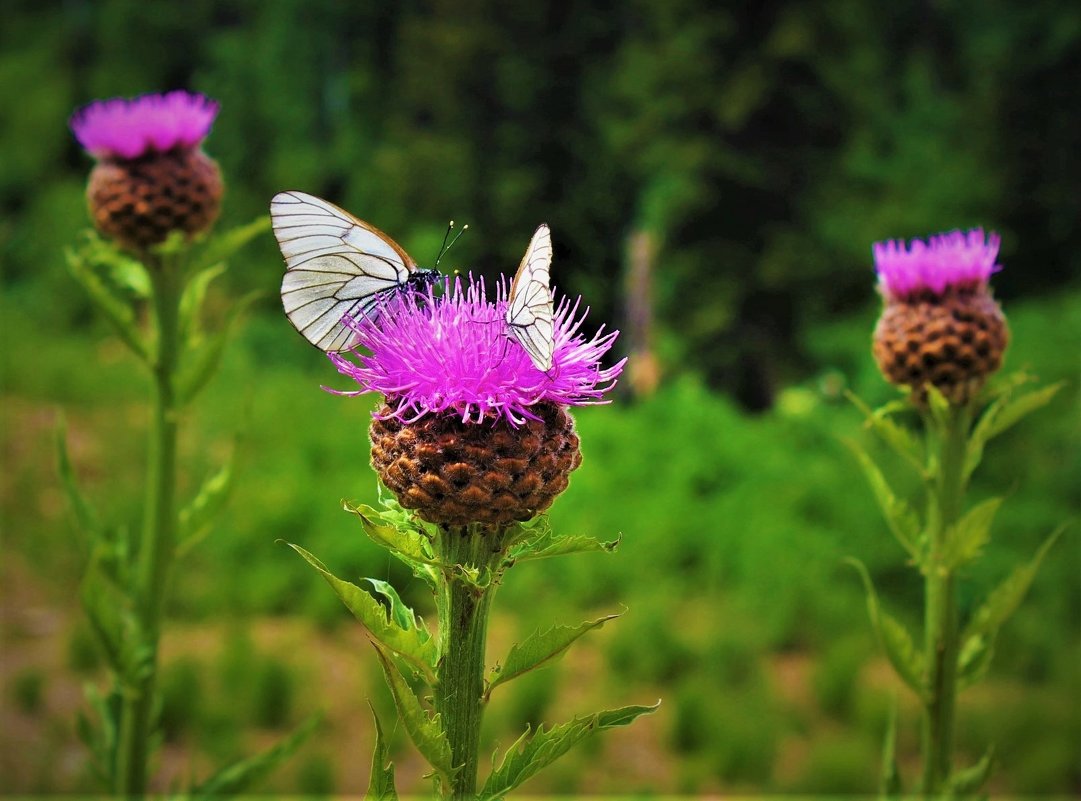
x=85, y=514
x=405, y=541
x=530, y=754
x=539, y=649
x=201, y=360
x=1003, y=413
x=381, y=783
x=412, y=644
x=223, y=245
x=974, y=659
x=241, y=775
x=197, y=516
x=192, y=299
x=907, y=660
x=890, y=785
x=425, y=729
x=85, y=265
x=902, y=519
x=536, y=540
x=1004, y=599
x=101, y=739
x=965, y=539
x=965, y=782
x=402, y=616
x=903, y=442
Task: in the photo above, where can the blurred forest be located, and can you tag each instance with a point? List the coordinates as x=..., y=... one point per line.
x=759, y=150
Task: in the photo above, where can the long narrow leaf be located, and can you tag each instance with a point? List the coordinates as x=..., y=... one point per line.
x=241, y=775
x=420, y=651
x=903, y=442
x=85, y=514
x=424, y=729
x=901, y=518
x=200, y=363
x=967, y=538
x=541, y=648
x=1001, y=415
x=197, y=516
x=381, y=783
x=116, y=309
x=192, y=299
x=532, y=753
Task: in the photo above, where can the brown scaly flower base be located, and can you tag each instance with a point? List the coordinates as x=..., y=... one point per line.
x=454, y=473
x=138, y=202
x=953, y=341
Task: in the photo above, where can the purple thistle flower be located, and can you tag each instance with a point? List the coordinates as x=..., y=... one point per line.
x=453, y=353
x=945, y=260
x=126, y=129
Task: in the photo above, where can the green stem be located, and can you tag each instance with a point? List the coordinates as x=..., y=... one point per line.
x=941, y=617
x=463, y=626
x=157, y=544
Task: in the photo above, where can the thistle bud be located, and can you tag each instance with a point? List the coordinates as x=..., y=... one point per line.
x=940, y=324
x=152, y=177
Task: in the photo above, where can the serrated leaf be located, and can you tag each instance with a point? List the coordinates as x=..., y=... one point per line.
x=195, y=519
x=537, y=541
x=400, y=614
x=192, y=299
x=242, y=774
x=1004, y=599
x=85, y=514
x=1001, y=415
x=974, y=660
x=965, y=540
x=199, y=363
x=890, y=785
x=539, y=649
x=901, y=518
x=965, y=782
x=901, y=440
x=117, y=309
x=529, y=755
x=418, y=650
x=221, y=246
x=424, y=729
x=381, y=783
x=901, y=651
x=404, y=541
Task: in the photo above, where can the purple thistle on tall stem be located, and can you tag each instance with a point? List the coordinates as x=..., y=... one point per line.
x=472, y=431
x=940, y=324
x=152, y=176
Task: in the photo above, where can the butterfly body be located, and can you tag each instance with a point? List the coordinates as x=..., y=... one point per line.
x=530, y=316
x=337, y=267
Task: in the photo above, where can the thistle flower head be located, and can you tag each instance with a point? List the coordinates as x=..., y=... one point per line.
x=125, y=129
x=952, y=259
x=452, y=354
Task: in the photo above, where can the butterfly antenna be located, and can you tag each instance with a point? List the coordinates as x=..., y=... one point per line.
x=447, y=246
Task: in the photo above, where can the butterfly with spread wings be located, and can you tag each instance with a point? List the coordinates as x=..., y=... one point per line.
x=336, y=266
x=530, y=316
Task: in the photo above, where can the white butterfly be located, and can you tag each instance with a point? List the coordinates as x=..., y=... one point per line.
x=529, y=304
x=336, y=266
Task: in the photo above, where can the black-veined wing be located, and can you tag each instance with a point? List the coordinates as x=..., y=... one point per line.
x=336, y=265
x=529, y=304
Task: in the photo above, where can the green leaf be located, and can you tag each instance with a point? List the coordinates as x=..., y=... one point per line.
x=381, y=783
x=540, y=648
x=890, y=785
x=101, y=739
x=400, y=614
x=405, y=541
x=965, y=540
x=1004, y=599
x=425, y=729
x=222, y=246
x=939, y=406
x=116, y=308
x=241, y=775
x=536, y=540
x=191, y=300
x=1002, y=414
x=901, y=650
x=197, y=516
x=420, y=650
x=901, y=518
x=200, y=362
x=965, y=782
x=974, y=660
x=529, y=754
x=903, y=442
x=85, y=514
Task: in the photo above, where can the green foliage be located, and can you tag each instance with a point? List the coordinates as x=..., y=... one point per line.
x=182, y=697
x=381, y=784
x=535, y=750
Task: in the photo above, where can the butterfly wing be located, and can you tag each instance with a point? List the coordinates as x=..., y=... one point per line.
x=336, y=265
x=529, y=305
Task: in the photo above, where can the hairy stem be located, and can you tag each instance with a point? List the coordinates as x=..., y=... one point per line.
x=941, y=616
x=463, y=626
x=157, y=543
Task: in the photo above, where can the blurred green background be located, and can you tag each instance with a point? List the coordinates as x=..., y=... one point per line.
x=760, y=148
